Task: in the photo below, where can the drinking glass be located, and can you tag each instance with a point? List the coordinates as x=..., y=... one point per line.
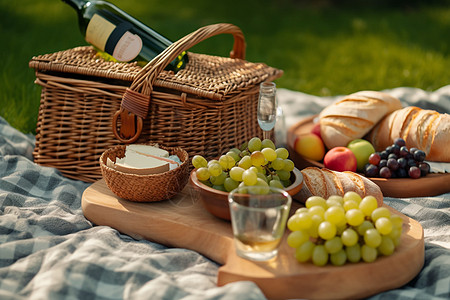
x=267, y=107
x=258, y=220
x=280, y=129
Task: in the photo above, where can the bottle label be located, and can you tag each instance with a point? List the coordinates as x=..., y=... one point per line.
x=115, y=40
x=98, y=31
x=128, y=47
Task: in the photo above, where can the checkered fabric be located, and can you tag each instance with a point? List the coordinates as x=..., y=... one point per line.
x=48, y=250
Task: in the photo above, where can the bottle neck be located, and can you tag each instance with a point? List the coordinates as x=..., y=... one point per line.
x=76, y=4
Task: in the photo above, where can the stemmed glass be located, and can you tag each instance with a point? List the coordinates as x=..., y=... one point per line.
x=267, y=107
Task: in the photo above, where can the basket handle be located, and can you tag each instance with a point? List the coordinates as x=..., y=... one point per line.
x=136, y=99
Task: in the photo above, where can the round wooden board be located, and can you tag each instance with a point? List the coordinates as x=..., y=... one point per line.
x=183, y=222
x=430, y=185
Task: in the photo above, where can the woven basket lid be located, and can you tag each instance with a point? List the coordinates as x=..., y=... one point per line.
x=207, y=76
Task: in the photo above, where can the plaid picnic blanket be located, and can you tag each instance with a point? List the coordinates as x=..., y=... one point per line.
x=48, y=250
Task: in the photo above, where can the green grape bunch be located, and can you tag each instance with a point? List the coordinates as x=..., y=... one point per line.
x=255, y=163
x=343, y=229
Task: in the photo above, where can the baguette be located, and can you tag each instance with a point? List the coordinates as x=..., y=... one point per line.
x=423, y=129
x=325, y=183
x=354, y=116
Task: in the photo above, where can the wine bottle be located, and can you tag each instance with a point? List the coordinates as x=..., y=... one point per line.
x=113, y=31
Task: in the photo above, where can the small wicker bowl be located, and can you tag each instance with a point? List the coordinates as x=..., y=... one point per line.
x=216, y=202
x=145, y=188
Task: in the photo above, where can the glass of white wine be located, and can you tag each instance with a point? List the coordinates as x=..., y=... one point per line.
x=258, y=218
x=267, y=107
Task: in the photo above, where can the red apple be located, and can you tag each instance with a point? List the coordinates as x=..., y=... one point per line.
x=316, y=130
x=340, y=159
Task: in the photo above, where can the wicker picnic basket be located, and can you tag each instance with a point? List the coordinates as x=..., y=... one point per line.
x=89, y=105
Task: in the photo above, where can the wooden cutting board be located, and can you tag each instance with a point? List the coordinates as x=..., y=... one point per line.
x=183, y=222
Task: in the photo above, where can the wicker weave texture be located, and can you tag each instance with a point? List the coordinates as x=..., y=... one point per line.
x=206, y=108
x=74, y=125
x=145, y=188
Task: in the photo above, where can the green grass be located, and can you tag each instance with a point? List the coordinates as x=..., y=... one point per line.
x=325, y=49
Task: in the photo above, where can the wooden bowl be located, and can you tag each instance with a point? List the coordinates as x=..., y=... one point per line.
x=145, y=188
x=430, y=185
x=216, y=202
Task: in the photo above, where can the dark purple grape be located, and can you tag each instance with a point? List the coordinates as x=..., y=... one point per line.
x=385, y=172
x=412, y=150
x=396, y=149
x=412, y=163
x=424, y=168
x=392, y=164
x=402, y=162
x=388, y=150
x=414, y=172
x=371, y=170
x=401, y=173
x=374, y=158
x=419, y=155
x=392, y=155
x=399, y=142
x=404, y=151
x=382, y=163
x=383, y=154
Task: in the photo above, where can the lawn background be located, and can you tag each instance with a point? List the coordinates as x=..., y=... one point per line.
x=324, y=47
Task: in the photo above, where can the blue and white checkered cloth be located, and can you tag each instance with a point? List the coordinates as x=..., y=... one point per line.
x=48, y=250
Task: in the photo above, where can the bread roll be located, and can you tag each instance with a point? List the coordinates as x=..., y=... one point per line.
x=324, y=182
x=423, y=129
x=354, y=116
